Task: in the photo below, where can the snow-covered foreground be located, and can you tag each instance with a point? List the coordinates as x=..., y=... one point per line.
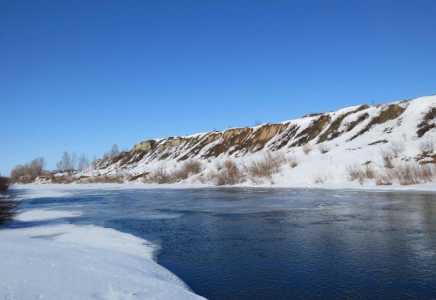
x=43, y=257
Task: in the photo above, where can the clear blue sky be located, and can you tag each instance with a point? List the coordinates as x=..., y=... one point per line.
x=83, y=75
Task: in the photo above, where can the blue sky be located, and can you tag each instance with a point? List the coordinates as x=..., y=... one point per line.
x=83, y=75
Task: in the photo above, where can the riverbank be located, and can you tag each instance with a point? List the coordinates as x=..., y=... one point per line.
x=59, y=190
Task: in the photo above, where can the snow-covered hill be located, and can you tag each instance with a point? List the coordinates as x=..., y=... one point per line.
x=316, y=148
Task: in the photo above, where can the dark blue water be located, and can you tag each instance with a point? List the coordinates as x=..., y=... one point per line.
x=278, y=243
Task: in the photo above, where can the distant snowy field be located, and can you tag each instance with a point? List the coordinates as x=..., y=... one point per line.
x=47, y=258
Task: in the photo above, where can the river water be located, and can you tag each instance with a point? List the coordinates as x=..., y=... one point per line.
x=256, y=243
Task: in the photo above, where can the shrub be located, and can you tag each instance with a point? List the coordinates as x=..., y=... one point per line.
x=397, y=148
x=62, y=179
x=159, y=176
x=387, y=158
x=104, y=179
x=323, y=148
x=28, y=172
x=408, y=174
x=383, y=179
x=359, y=173
x=354, y=172
x=267, y=165
x=427, y=147
x=8, y=201
x=189, y=168
x=4, y=184
x=369, y=171
x=227, y=174
x=293, y=162
x=307, y=148
x=319, y=178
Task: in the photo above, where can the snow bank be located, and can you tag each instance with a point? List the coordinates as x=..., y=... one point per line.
x=280, y=181
x=45, y=214
x=35, y=190
x=63, y=261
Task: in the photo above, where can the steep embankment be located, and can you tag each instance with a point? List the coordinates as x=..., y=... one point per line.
x=318, y=148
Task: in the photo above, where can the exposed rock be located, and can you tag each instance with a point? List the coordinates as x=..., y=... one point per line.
x=312, y=131
x=378, y=142
x=424, y=126
x=391, y=112
x=332, y=131
x=145, y=146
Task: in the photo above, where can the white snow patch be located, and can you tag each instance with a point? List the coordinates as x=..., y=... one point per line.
x=44, y=214
x=35, y=190
x=65, y=261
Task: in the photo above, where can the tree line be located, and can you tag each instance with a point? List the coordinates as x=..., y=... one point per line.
x=69, y=162
x=29, y=171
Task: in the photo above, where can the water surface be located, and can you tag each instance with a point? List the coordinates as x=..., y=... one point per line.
x=253, y=243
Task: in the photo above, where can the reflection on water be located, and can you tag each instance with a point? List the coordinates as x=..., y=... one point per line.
x=246, y=243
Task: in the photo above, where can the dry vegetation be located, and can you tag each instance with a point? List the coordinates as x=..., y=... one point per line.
x=320, y=178
x=266, y=166
x=307, y=148
x=4, y=184
x=408, y=174
x=397, y=148
x=427, y=147
x=8, y=202
x=293, y=161
x=402, y=173
x=104, y=179
x=323, y=148
x=383, y=179
x=161, y=175
x=387, y=158
x=360, y=173
x=189, y=168
x=62, y=179
x=28, y=172
x=226, y=174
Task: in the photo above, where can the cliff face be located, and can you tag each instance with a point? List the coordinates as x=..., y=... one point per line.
x=353, y=128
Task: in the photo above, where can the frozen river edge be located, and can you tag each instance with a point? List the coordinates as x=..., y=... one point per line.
x=42, y=256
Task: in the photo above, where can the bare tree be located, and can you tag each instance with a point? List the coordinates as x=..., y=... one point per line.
x=83, y=163
x=68, y=162
x=114, y=150
x=28, y=171
x=37, y=166
x=112, y=153
x=73, y=161
x=65, y=162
